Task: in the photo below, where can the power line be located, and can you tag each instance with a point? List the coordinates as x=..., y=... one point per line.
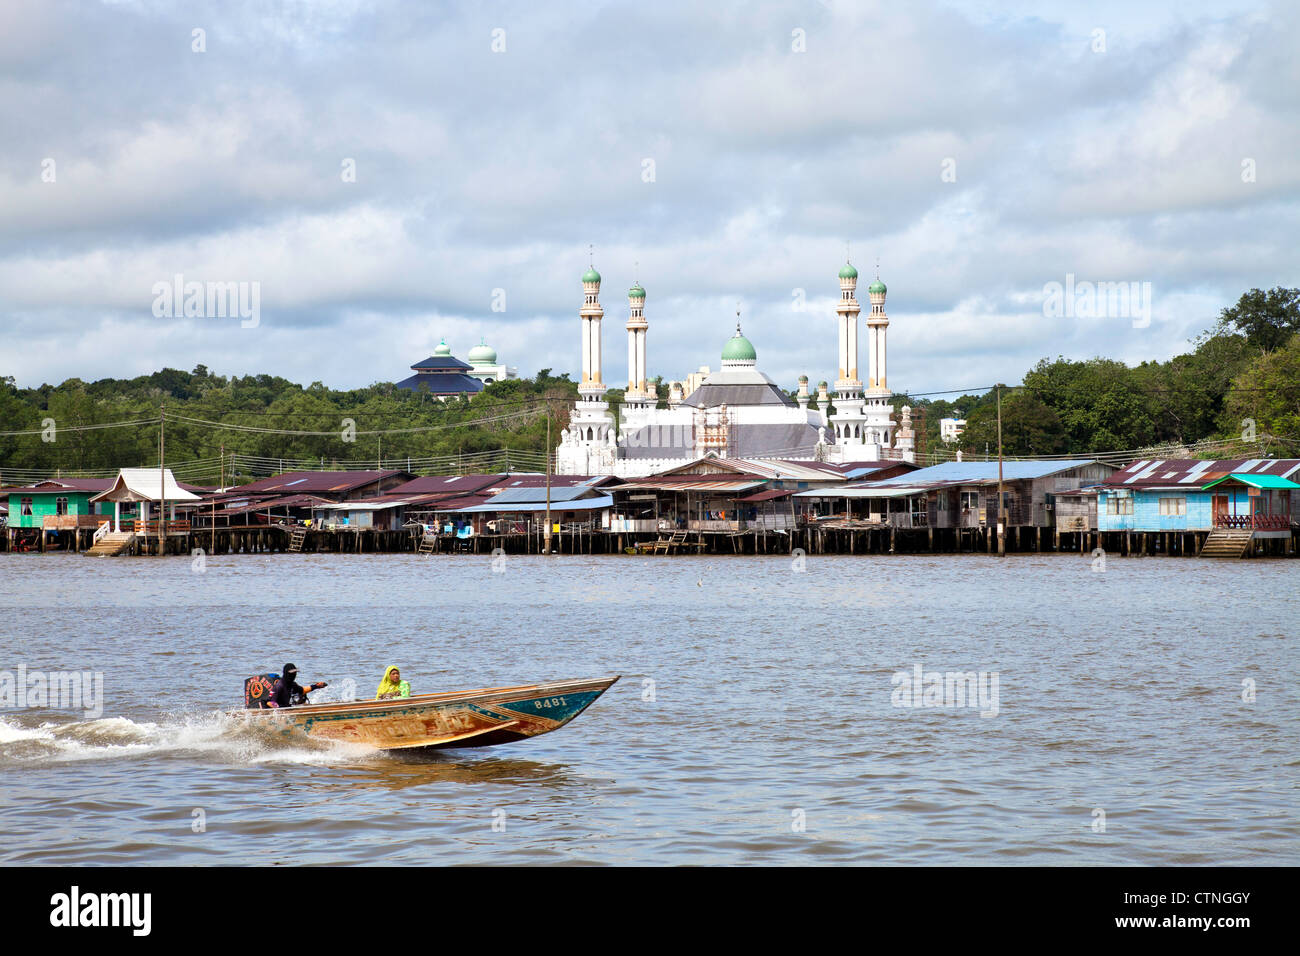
x=82, y=428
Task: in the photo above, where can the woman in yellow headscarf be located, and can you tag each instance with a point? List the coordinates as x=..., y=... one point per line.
x=392, y=685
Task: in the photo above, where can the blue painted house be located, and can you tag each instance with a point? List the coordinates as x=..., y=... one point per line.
x=1179, y=495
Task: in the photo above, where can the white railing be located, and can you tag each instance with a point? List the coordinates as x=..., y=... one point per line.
x=100, y=532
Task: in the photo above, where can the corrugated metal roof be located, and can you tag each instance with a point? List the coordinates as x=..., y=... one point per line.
x=538, y=493
x=767, y=495
x=444, y=484
x=1184, y=472
x=459, y=504
x=785, y=468
x=981, y=471
x=691, y=483
x=317, y=481
x=369, y=504
x=72, y=484
x=586, y=504
x=285, y=501
x=537, y=479
x=851, y=491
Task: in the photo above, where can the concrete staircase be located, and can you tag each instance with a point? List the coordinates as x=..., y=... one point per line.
x=111, y=544
x=1227, y=543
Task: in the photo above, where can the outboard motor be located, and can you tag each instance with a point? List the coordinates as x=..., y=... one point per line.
x=258, y=690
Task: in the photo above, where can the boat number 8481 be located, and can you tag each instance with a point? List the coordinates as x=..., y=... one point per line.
x=548, y=702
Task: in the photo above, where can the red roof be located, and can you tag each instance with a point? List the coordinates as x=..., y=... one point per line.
x=443, y=485
x=767, y=495
x=460, y=504
x=267, y=504
x=316, y=482
x=72, y=484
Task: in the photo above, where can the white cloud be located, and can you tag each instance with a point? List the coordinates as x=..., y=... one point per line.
x=478, y=171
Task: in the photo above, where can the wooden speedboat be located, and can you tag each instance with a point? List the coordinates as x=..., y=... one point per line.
x=466, y=718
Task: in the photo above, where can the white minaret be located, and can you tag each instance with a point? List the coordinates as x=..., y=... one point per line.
x=591, y=425
x=880, y=422
x=850, y=420
x=638, y=391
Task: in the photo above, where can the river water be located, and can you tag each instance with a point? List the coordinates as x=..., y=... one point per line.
x=1143, y=714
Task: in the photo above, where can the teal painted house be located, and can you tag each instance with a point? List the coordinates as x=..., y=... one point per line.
x=67, y=498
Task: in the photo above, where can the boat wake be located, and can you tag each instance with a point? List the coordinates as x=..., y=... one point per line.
x=27, y=739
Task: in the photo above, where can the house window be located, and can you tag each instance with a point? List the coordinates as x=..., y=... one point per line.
x=970, y=500
x=1173, y=506
x=60, y=506
x=1119, y=506
x=26, y=509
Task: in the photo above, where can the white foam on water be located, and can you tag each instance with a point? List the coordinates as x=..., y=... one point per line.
x=215, y=735
x=11, y=732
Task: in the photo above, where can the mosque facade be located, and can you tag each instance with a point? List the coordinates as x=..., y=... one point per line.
x=737, y=411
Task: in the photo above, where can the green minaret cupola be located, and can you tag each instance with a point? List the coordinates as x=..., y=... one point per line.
x=443, y=348
x=636, y=292
x=877, y=287
x=591, y=275
x=848, y=272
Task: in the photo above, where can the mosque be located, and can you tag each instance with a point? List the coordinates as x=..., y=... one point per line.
x=445, y=376
x=737, y=411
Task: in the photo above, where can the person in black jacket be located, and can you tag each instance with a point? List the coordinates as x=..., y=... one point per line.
x=287, y=691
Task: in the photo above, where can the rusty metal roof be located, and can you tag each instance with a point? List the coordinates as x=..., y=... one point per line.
x=767, y=495
x=243, y=506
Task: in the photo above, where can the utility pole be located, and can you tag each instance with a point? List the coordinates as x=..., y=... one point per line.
x=162, y=479
x=546, y=536
x=1002, y=515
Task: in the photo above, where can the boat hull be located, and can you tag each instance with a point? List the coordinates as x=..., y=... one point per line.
x=473, y=718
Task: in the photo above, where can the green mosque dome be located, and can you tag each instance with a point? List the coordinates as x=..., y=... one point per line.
x=848, y=272
x=739, y=349
x=443, y=348
x=636, y=292
x=877, y=286
x=482, y=354
x=591, y=275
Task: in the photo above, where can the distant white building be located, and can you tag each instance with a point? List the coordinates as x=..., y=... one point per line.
x=737, y=411
x=951, y=428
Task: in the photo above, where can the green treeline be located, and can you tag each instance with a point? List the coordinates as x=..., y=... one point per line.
x=1246, y=367
x=267, y=401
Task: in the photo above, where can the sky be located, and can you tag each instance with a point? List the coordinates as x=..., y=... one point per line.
x=387, y=175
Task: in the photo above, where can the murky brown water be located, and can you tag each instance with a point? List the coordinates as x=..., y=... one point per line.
x=756, y=720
